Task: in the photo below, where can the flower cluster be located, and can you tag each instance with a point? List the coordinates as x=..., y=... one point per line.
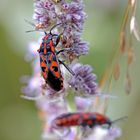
x=79, y=80
x=84, y=81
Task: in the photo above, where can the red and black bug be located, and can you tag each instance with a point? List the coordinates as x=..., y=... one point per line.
x=83, y=119
x=49, y=62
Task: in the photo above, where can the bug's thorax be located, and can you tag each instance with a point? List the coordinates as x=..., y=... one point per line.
x=47, y=45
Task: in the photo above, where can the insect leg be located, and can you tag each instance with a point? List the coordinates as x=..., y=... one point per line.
x=58, y=38
x=67, y=67
x=64, y=50
x=54, y=27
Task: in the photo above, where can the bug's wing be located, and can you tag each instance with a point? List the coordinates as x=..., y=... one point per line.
x=54, y=79
x=44, y=66
x=54, y=66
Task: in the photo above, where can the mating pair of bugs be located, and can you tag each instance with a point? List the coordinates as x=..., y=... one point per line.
x=49, y=62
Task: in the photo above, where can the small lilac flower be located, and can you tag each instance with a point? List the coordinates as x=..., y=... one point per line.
x=33, y=56
x=31, y=51
x=44, y=12
x=76, y=47
x=79, y=47
x=84, y=81
x=100, y=133
x=50, y=110
x=82, y=104
x=73, y=15
x=34, y=86
x=71, y=136
x=52, y=95
x=113, y=133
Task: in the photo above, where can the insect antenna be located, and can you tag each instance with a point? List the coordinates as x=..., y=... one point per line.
x=67, y=67
x=116, y=121
x=32, y=24
x=30, y=31
x=54, y=27
x=119, y=119
x=29, y=22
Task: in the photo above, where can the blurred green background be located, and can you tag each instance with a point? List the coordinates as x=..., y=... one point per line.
x=18, y=117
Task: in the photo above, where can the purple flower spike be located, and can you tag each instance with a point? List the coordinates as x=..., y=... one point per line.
x=84, y=81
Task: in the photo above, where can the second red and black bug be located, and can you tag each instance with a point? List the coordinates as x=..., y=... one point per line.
x=83, y=119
